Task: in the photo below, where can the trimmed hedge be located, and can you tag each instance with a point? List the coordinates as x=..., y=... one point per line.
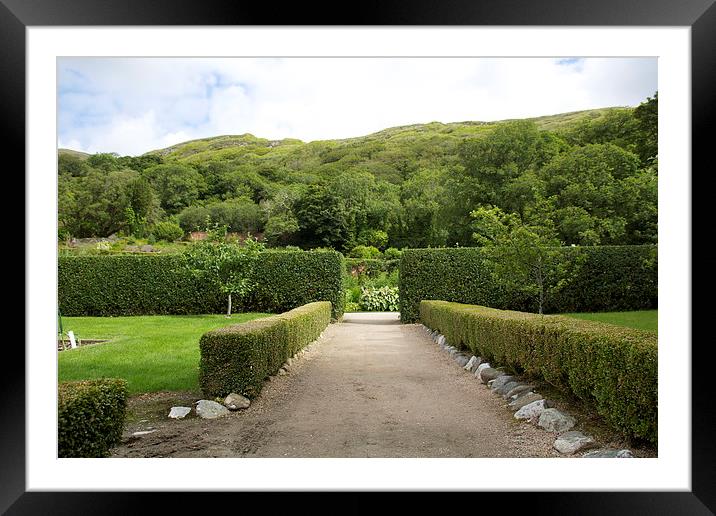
x=611, y=367
x=90, y=416
x=155, y=285
x=604, y=278
x=238, y=358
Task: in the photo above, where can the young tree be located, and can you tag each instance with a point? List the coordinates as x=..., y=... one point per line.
x=228, y=266
x=526, y=258
x=531, y=261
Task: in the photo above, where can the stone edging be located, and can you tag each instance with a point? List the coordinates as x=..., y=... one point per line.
x=212, y=409
x=529, y=405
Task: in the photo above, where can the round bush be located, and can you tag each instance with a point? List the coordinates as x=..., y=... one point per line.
x=167, y=231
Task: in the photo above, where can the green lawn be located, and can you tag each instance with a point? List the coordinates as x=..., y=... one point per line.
x=643, y=320
x=153, y=353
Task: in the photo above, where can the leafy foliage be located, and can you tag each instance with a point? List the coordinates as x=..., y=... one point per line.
x=90, y=416
x=226, y=266
x=583, y=279
x=381, y=299
x=592, y=176
x=167, y=230
x=160, y=284
x=238, y=358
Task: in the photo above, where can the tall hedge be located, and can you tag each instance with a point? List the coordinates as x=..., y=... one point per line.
x=611, y=367
x=238, y=358
x=156, y=284
x=603, y=278
x=90, y=416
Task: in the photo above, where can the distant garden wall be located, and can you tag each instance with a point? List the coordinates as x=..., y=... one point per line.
x=598, y=279
x=115, y=285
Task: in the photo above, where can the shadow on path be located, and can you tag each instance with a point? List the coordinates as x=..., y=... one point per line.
x=381, y=318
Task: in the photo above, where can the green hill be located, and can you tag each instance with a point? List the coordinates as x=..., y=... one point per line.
x=73, y=153
x=437, y=138
x=588, y=177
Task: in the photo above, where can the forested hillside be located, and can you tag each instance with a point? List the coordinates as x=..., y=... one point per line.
x=588, y=177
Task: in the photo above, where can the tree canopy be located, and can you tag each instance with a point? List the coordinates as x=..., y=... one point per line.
x=590, y=178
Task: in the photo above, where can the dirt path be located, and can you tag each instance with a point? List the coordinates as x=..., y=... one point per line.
x=370, y=387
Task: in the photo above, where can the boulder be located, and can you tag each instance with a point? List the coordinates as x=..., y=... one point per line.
x=441, y=340
x=490, y=373
x=179, y=412
x=461, y=359
x=147, y=248
x=480, y=368
x=506, y=387
x=572, y=442
x=607, y=453
x=500, y=381
x=531, y=411
x=208, y=409
x=471, y=363
x=553, y=420
x=524, y=399
x=236, y=401
x=520, y=388
x=474, y=366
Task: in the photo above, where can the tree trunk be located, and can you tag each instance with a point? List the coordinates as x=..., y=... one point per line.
x=540, y=282
x=228, y=311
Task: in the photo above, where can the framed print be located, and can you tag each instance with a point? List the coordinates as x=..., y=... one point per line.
x=49, y=51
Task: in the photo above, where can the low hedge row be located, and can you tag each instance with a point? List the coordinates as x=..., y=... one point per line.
x=611, y=367
x=152, y=285
x=594, y=279
x=238, y=358
x=90, y=416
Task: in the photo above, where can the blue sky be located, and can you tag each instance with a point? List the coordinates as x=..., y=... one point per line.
x=133, y=105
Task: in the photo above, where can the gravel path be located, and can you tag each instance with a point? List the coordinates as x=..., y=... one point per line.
x=370, y=387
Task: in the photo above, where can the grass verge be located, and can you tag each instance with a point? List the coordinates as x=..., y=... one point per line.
x=641, y=320
x=153, y=353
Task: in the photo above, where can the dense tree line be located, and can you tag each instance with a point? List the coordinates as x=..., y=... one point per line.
x=587, y=182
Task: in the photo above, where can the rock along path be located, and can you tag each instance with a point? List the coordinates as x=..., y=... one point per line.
x=370, y=387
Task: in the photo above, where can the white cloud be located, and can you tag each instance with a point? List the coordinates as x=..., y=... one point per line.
x=131, y=106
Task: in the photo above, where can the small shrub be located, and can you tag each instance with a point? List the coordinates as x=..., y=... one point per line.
x=167, y=231
x=90, y=416
x=392, y=253
x=373, y=237
x=382, y=299
x=366, y=252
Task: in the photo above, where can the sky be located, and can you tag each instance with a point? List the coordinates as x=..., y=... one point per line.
x=133, y=105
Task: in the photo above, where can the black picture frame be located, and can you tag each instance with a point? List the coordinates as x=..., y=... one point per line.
x=699, y=15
